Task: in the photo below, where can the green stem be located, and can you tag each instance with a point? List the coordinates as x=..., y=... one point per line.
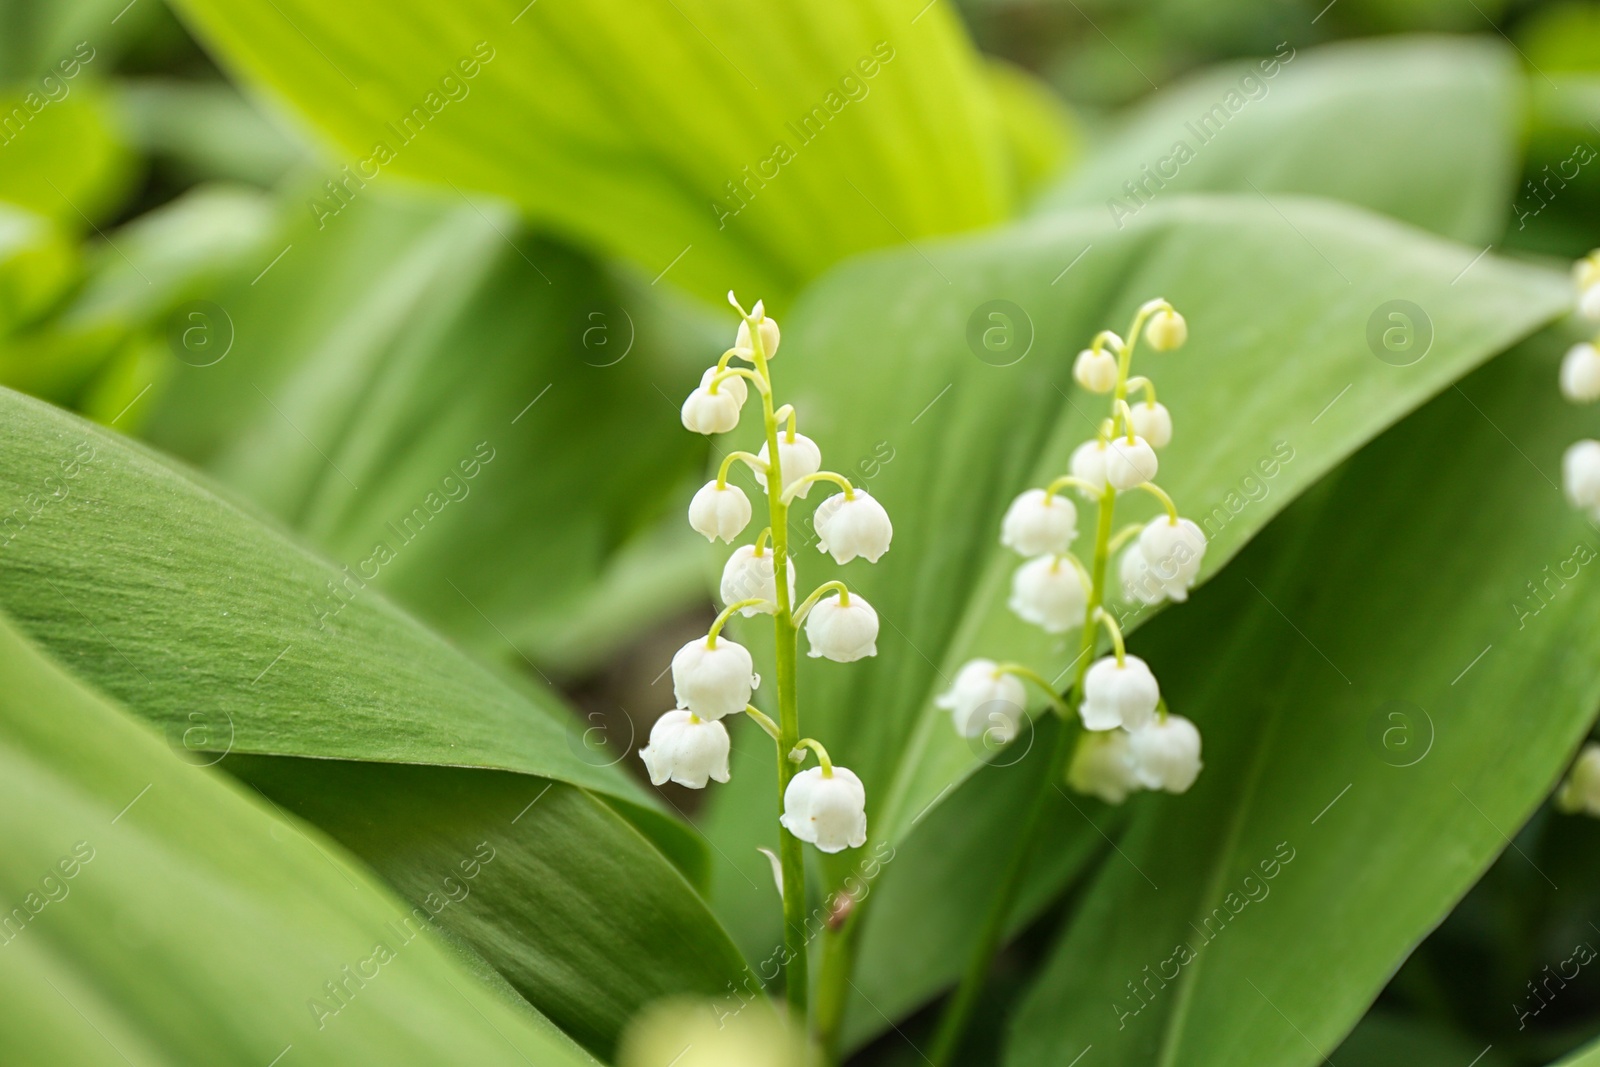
x=821, y=476
x=818, y=593
x=725, y=615
x=1029, y=674
x=799, y=755
x=754, y=462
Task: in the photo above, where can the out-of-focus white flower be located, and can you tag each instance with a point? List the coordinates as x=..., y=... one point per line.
x=713, y=679
x=799, y=458
x=1036, y=524
x=1088, y=463
x=1153, y=422
x=1096, y=371
x=842, y=632
x=981, y=698
x=688, y=1032
x=1166, y=331
x=1174, y=552
x=1589, y=303
x=747, y=576
x=719, y=511
x=1138, y=583
x=1580, y=474
x=1102, y=766
x=1119, y=694
x=686, y=749
x=710, y=413
x=829, y=812
x=851, y=527
x=1166, y=754
x=1581, y=790
x=1049, y=593
x=1580, y=374
x=1129, y=463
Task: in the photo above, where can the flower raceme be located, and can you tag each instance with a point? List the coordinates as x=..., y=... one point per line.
x=1580, y=383
x=1131, y=741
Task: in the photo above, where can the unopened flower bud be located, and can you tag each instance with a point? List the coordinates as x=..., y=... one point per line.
x=1095, y=371
x=1049, y=593
x=747, y=576
x=982, y=698
x=686, y=749
x=842, y=632
x=1166, y=330
x=798, y=458
x=713, y=679
x=1102, y=766
x=1129, y=464
x=1153, y=422
x=1580, y=374
x=853, y=526
x=1119, y=694
x=719, y=511
x=829, y=812
x=710, y=413
x=769, y=337
x=1166, y=754
x=1174, y=552
x=1037, y=525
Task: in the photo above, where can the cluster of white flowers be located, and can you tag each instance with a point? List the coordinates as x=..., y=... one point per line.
x=1132, y=741
x=1580, y=383
x=712, y=676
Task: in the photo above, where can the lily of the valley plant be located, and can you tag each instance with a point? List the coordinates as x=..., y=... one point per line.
x=1129, y=741
x=714, y=678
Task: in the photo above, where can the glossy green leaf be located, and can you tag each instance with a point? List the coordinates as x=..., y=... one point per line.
x=1423, y=129
x=155, y=912
x=696, y=139
x=1277, y=384
x=1387, y=687
x=232, y=639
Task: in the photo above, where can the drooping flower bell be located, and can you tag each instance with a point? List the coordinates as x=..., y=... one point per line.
x=851, y=526
x=1102, y=766
x=1096, y=371
x=1088, y=463
x=713, y=677
x=1037, y=524
x=983, y=698
x=1580, y=374
x=708, y=412
x=748, y=576
x=686, y=749
x=1174, y=552
x=1153, y=422
x=842, y=632
x=770, y=335
x=1129, y=464
x=719, y=511
x=1049, y=592
x=1166, y=754
x=1119, y=694
x=829, y=811
x=1166, y=330
x=799, y=457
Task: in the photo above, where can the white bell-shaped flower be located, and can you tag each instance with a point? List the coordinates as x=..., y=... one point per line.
x=719, y=511
x=1166, y=330
x=799, y=458
x=981, y=699
x=1166, y=754
x=686, y=749
x=1589, y=302
x=829, y=812
x=733, y=383
x=1138, y=584
x=1088, y=463
x=842, y=632
x=1580, y=474
x=710, y=413
x=1049, y=593
x=851, y=527
x=1102, y=766
x=1174, y=552
x=1119, y=694
x=1581, y=790
x=1580, y=374
x=770, y=335
x=1586, y=271
x=713, y=679
x=747, y=576
x=1129, y=463
x=1153, y=422
x=1095, y=371
x=1038, y=525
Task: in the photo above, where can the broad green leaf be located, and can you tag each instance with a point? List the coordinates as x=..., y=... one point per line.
x=156, y=912
x=1423, y=129
x=497, y=411
x=1587, y=1056
x=1276, y=385
x=1389, y=684
x=64, y=157
x=1387, y=1039
x=232, y=639
x=699, y=140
